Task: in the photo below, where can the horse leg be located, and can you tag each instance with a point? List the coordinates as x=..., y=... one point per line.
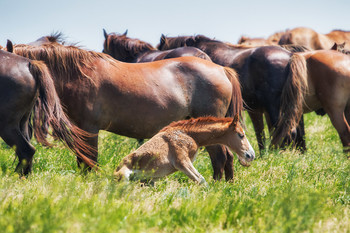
x=258, y=123
x=341, y=125
x=185, y=165
x=218, y=157
x=300, y=137
x=24, y=150
x=93, y=142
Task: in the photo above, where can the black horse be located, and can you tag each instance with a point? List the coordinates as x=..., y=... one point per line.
x=272, y=81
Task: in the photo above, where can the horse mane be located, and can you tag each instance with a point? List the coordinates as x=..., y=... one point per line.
x=56, y=37
x=339, y=30
x=66, y=62
x=194, y=123
x=126, y=46
x=295, y=48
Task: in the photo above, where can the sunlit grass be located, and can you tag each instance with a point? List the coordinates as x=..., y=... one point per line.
x=281, y=192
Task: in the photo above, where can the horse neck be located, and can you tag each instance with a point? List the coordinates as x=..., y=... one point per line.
x=208, y=134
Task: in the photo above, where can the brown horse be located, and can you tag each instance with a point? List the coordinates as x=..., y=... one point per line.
x=267, y=75
x=175, y=147
x=137, y=100
x=271, y=40
x=313, y=40
x=126, y=49
x=24, y=85
x=340, y=48
x=329, y=89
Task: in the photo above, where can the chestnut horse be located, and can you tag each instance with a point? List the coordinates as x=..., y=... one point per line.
x=267, y=75
x=313, y=40
x=24, y=85
x=329, y=89
x=271, y=40
x=175, y=147
x=137, y=100
x=131, y=50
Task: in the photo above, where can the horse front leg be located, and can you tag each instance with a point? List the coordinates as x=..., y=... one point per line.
x=258, y=123
x=218, y=159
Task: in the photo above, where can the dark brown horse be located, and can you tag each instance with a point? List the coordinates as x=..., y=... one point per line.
x=126, y=49
x=137, y=100
x=24, y=85
x=267, y=75
x=314, y=40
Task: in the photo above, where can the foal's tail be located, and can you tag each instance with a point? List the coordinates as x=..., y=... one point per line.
x=236, y=105
x=48, y=112
x=292, y=98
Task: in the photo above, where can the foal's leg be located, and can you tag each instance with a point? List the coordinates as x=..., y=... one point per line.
x=185, y=165
x=258, y=123
x=24, y=150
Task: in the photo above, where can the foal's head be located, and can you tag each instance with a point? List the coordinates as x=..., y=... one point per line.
x=236, y=139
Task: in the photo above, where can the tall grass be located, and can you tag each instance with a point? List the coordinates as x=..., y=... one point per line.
x=281, y=192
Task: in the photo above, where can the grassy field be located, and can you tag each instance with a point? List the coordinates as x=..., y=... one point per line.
x=281, y=192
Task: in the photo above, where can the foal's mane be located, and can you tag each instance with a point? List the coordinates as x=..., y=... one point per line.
x=127, y=46
x=194, y=123
x=66, y=62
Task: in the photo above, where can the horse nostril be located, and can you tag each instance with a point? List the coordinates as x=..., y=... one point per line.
x=249, y=156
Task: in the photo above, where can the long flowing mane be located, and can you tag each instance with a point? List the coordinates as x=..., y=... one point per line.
x=127, y=47
x=194, y=123
x=68, y=62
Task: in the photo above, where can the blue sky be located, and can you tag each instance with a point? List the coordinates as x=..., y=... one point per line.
x=24, y=21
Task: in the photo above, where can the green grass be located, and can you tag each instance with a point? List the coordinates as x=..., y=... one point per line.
x=281, y=192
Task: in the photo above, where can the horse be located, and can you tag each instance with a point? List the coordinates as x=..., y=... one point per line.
x=137, y=100
x=271, y=40
x=314, y=40
x=126, y=49
x=267, y=75
x=174, y=148
x=340, y=48
x=329, y=89
x=27, y=89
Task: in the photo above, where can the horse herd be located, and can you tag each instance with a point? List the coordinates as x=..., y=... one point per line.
x=134, y=89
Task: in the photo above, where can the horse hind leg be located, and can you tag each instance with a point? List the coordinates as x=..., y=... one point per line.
x=24, y=150
x=340, y=123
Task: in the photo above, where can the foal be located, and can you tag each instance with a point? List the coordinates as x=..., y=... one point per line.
x=175, y=148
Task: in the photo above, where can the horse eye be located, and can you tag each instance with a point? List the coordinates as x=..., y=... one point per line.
x=241, y=135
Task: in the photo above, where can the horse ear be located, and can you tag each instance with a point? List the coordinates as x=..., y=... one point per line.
x=125, y=33
x=242, y=39
x=335, y=46
x=105, y=33
x=9, y=46
x=235, y=120
x=162, y=39
x=190, y=42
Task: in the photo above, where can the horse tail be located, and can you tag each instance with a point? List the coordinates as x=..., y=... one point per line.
x=292, y=98
x=48, y=111
x=236, y=104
